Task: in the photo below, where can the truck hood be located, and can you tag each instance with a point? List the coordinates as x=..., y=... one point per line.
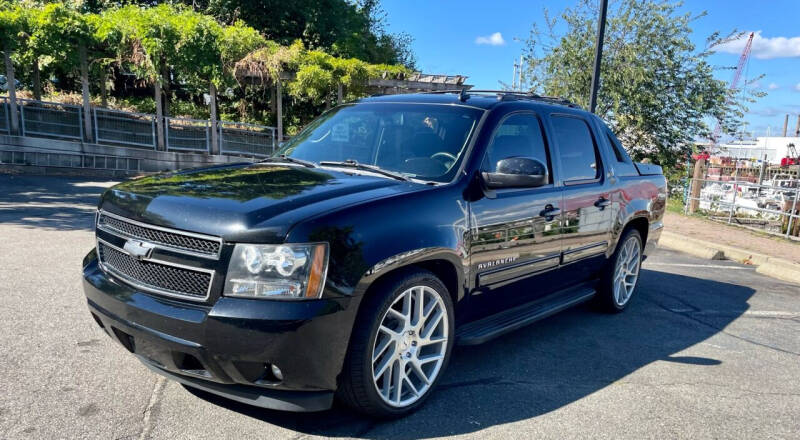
x=245, y=202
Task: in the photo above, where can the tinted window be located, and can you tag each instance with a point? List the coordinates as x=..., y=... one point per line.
x=579, y=160
x=617, y=147
x=422, y=141
x=517, y=136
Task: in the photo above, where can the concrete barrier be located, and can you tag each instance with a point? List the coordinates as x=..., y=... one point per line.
x=770, y=266
x=781, y=269
x=689, y=246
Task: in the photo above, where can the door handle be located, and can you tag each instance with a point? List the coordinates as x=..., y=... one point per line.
x=549, y=212
x=602, y=202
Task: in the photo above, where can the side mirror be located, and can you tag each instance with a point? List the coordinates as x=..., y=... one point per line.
x=517, y=172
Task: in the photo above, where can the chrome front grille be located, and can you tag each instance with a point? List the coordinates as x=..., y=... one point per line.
x=195, y=244
x=153, y=271
x=155, y=276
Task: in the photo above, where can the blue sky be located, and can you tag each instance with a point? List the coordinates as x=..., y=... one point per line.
x=447, y=41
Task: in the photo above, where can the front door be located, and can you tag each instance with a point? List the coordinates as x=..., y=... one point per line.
x=515, y=233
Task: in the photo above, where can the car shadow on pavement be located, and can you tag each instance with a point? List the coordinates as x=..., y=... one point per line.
x=48, y=202
x=547, y=365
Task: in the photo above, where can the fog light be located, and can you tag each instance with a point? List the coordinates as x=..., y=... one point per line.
x=277, y=372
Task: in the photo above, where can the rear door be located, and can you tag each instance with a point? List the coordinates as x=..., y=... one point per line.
x=586, y=231
x=515, y=238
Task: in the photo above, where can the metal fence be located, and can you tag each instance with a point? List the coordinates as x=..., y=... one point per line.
x=51, y=119
x=771, y=207
x=187, y=134
x=246, y=139
x=5, y=123
x=128, y=129
x=71, y=160
x=114, y=127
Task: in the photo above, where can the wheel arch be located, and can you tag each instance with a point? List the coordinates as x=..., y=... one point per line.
x=640, y=224
x=442, y=263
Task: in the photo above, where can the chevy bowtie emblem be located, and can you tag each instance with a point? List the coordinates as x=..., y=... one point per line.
x=138, y=249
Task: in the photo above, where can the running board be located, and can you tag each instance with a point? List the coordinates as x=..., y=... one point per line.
x=490, y=327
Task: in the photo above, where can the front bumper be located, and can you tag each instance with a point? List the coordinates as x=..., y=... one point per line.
x=227, y=348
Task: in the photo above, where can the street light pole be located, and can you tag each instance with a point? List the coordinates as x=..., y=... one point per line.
x=598, y=54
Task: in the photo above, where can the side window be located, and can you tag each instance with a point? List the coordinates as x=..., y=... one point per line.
x=579, y=159
x=519, y=135
x=619, y=152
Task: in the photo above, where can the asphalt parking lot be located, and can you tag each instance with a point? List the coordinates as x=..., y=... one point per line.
x=706, y=349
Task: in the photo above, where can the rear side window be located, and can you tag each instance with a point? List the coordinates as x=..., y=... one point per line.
x=619, y=152
x=578, y=153
x=519, y=135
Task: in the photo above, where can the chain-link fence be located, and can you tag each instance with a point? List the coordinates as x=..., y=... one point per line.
x=772, y=207
x=187, y=134
x=243, y=139
x=114, y=127
x=51, y=119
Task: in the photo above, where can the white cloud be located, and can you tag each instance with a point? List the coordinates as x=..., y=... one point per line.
x=496, y=39
x=764, y=47
x=773, y=86
x=797, y=87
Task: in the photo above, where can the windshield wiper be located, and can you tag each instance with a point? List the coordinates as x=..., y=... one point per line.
x=285, y=158
x=350, y=163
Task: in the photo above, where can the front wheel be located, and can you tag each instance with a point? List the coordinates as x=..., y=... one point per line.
x=400, y=346
x=622, y=275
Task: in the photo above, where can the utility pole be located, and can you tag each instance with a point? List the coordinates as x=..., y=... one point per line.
x=514, y=78
x=519, y=83
x=598, y=55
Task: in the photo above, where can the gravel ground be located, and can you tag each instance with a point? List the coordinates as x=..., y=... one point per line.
x=706, y=349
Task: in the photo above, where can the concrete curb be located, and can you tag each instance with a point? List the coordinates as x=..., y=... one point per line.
x=780, y=269
x=691, y=247
x=771, y=266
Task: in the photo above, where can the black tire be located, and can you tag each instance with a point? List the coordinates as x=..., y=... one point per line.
x=356, y=387
x=604, y=299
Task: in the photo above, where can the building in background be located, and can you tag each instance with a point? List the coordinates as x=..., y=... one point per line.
x=774, y=148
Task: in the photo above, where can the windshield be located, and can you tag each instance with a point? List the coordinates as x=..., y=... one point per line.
x=423, y=141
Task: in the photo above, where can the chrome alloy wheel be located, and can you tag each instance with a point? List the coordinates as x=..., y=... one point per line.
x=410, y=347
x=627, y=270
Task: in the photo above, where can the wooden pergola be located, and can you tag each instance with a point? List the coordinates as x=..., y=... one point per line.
x=385, y=85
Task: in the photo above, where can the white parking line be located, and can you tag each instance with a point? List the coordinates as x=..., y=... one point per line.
x=709, y=266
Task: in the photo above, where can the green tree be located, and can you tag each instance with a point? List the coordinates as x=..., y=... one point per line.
x=66, y=35
x=351, y=29
x=148, y=41
x=12, y=24
x=657, y=90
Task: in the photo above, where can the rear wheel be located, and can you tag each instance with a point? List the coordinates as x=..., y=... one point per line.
x=400, y=346
x=622, y=275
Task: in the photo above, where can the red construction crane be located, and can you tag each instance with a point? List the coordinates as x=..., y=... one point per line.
x=736, y=76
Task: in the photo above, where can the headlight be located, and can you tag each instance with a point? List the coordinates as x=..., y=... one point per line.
x=286, y=271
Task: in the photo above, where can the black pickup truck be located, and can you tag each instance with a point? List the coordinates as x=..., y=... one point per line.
x=352, y=261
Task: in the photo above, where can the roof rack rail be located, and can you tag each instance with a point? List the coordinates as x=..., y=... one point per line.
x=509, y=94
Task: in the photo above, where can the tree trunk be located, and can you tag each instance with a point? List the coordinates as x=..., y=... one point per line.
x=159, y=118
x=87, y=106
x=37, y=80
x=339, y=94
x=165, y=84
x=103, y=89
x=215, y=145
x=273, y=101
x=279, y=96
x=12, y=91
